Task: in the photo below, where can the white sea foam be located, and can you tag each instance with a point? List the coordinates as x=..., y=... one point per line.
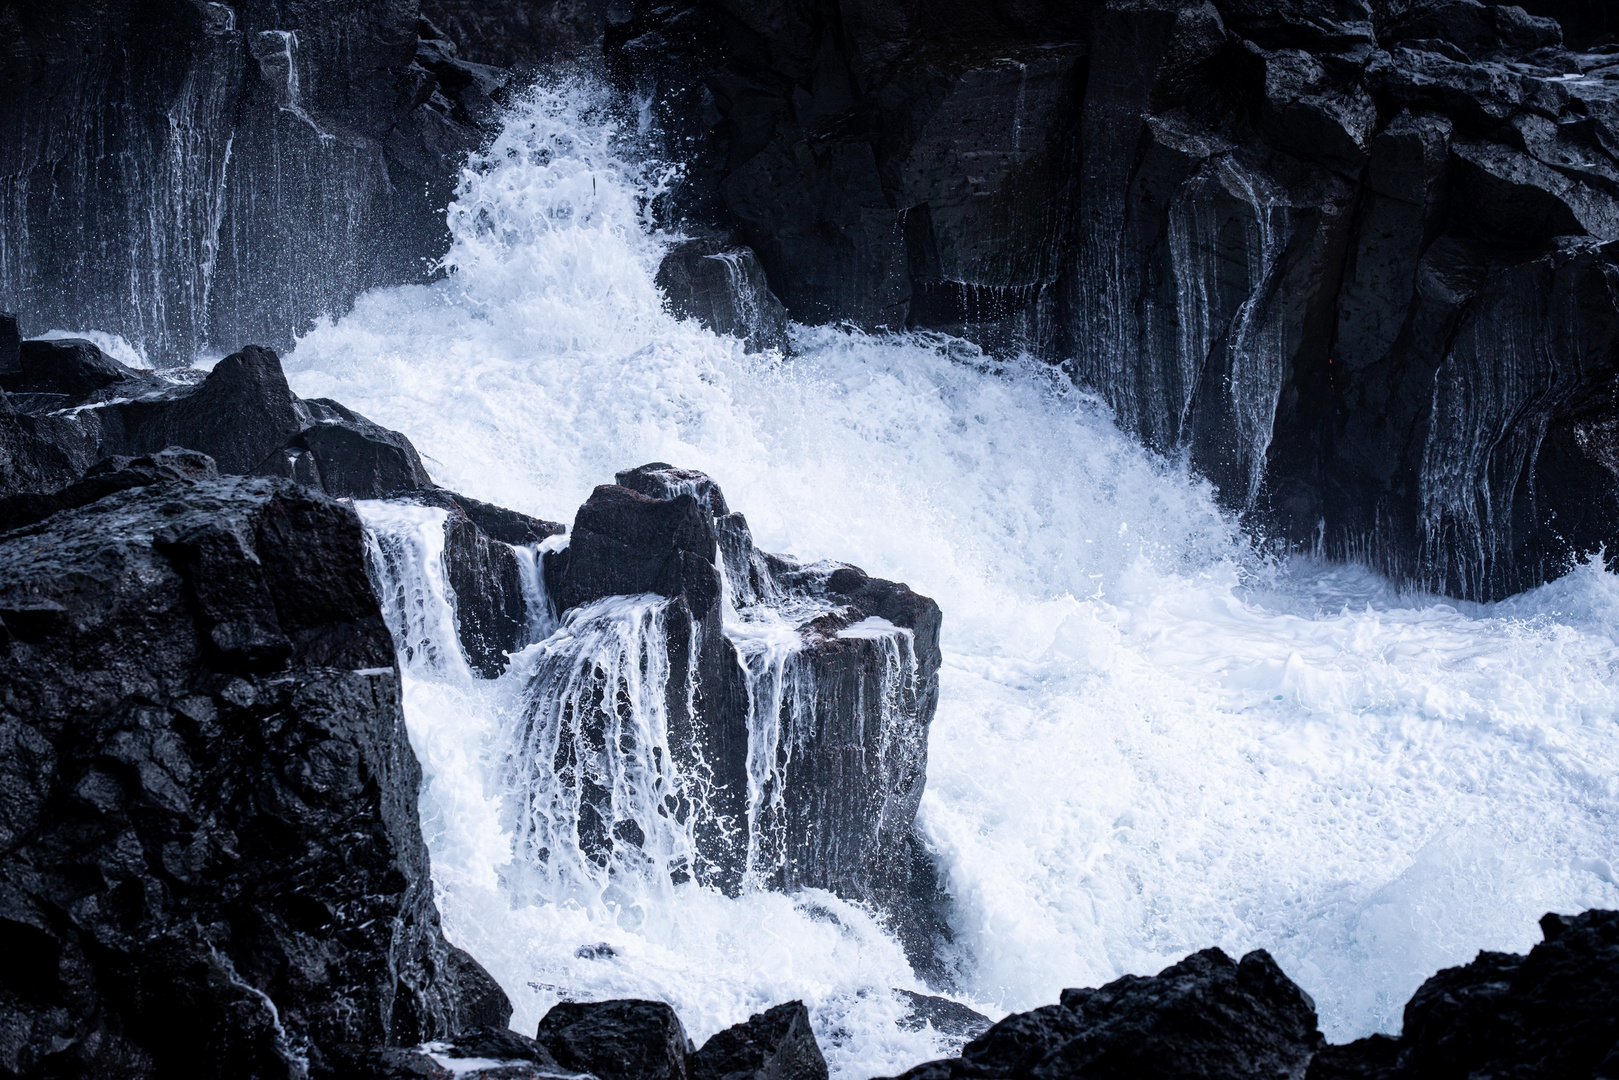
x=1149, y=740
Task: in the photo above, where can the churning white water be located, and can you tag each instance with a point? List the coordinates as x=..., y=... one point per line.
x=1149, y=740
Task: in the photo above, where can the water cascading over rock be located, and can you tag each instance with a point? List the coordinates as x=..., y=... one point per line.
x=1350, y=258
x=691, y=707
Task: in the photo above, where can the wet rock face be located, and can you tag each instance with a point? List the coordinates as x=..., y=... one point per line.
x=823, y=677
x=273, y=159
x=1553, y=1013
x=617, y=1040
x=1205, y=1016
x=210, y=853
x=773, y=1045
x=1351, y=257
x=81, y=406
x=724, y=288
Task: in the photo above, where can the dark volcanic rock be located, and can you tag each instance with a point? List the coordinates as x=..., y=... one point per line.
x=1264, y=230
x=187, y=174
x=68, y=366
x=10, y=346
x=210, y=854
x=776, y=1044
x=243, y=415
x=949, y=1018
x=617, y=1040
x=485, y=1053
x=1206, y=1016
x=487, y=574
x=724, y=288
x=1553, y=1013
x=848, y=705
x=104, y=478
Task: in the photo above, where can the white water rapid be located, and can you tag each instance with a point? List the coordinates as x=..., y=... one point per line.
x=1149, y=740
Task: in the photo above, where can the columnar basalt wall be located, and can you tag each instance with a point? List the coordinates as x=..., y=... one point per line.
x=1349, y=257
x=193, y=175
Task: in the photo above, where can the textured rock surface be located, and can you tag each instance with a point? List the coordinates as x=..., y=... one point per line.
x=81, y=406
x=724, y=288
x=1206, y=1016
x=1351, y=257
x=486, y=573
x=1553, y=1013
x=949, y=1018
x=490, y=1053
x=617, y=1040
x=210, y=854
x=776, y=1044
x=186, y=172
x=847, y=708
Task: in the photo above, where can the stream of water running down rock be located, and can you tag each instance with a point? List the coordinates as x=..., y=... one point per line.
x=1150, y=738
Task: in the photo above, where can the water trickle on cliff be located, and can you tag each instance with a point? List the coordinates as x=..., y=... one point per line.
x=1149, y=740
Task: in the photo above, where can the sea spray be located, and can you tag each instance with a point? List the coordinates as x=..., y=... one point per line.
x=1150, y=740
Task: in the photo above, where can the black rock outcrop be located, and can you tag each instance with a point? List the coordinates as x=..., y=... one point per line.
x=186, y=173
x=776, y=1044
x=74, y=406
x=1553, y=1013
x=617, y=1040
x=724, y=288
x=210, y=853
x=1352, y=257
x=488, y=572
x=948, y=1018
x=847, y=705
x=1206, y=1016
x=485, y=1053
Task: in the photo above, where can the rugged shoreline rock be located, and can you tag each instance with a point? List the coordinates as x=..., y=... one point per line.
x=1552, y=1014
x=1352, y=257
x=211, y=855
x=844, y=686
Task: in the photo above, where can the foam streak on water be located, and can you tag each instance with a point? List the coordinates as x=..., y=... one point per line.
x=1148, y=741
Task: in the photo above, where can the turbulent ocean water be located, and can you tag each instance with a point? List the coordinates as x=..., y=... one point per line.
x=1152, y=736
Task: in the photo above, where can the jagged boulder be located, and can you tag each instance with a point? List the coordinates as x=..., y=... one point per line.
x=724, y=288
x=617, y=1040
x=776, y=1044
x=845, y=692
x=491, y=562
x=85, y=406
x=1553, y=1013
x=1206, y=1016
x=210, y=855
x=946, y=1017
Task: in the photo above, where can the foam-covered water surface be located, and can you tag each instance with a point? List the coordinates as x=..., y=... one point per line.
x=1150, y=739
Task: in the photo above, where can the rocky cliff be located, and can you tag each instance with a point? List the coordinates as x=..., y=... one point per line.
x=193, y=175
x=1352, y=258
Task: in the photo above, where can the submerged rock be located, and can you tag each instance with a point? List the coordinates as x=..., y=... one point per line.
x=949, y=1018
x=485, y=1053
x=210, y=851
